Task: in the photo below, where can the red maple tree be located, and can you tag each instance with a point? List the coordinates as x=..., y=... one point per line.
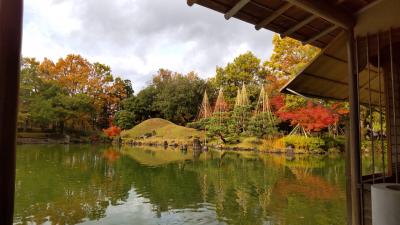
x=112, y=131
x=277, y=102
x=313, y=117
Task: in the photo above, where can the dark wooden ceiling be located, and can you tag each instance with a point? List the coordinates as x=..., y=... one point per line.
x=316, y=31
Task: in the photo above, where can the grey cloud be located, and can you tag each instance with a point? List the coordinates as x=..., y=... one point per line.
x=140, y=27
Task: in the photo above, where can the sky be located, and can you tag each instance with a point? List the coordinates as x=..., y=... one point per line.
x=138, y=37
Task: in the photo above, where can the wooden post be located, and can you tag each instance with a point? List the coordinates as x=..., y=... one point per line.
x=354, y=142
x=10, y=49
x=348, y=173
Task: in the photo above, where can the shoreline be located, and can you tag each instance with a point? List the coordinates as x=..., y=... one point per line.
x=223, y=148
x=175, y=144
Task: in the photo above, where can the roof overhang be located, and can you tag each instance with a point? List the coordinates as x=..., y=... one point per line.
x=322, y=25
x=327, y=75
x=313, y=22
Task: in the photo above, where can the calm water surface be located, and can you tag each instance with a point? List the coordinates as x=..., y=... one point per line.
x=101, y=185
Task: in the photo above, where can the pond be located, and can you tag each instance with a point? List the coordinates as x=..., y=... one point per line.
x=84, y=184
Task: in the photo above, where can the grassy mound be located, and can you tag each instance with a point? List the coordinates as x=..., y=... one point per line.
x=160, y=129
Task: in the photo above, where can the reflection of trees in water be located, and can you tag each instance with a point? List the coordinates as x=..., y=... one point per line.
x=242, y=198
x=264, y=198
x=254, y=187
x=245, y=189
x=78, y=184
x=204, y=187
x=219, y=195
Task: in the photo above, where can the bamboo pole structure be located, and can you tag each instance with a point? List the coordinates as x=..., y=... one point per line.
x=205, y=112
x=263, y=104
x=205, y=108
x=220, y=105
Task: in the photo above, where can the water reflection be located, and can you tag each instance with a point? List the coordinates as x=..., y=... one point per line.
x=100, y=185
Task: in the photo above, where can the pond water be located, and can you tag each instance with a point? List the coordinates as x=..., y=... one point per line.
x=83, y=184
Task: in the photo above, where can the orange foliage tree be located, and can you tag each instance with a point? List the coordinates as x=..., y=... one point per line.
x=76, y=75
x=112, y=131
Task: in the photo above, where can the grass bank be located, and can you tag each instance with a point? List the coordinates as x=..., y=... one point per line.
x=156, y=131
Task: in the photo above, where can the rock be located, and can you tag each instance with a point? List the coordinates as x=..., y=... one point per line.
x=196, y=144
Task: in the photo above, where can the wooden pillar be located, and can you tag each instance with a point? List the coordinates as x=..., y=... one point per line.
x=391, y=68
x=348, y=173
x=354, y=141
x=10, y=48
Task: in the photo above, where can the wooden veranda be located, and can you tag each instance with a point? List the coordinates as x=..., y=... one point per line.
x=359, y=63
x=322, y=23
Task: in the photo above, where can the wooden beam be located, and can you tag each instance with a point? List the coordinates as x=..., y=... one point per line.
x=327, y=11
x=275, y=14
x=283, y=15
x=368, y=6
x=10, y=50
x=191, y=2
x=236, y=9
x=298, y=26
x=323, y=33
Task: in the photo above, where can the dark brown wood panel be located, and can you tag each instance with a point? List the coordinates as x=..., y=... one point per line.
x=10, y=48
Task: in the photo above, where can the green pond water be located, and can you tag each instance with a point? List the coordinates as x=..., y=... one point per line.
x=83, y=184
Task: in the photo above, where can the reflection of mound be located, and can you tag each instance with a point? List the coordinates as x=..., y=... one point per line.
x=159, y=156
x=152, y=157
x=312, y=187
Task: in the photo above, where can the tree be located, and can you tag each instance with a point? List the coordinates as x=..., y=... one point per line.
x=30, y=85
x=112, y=131
x=178, y=96
x=289, y=56
x=142, y=106
x=124, y=119
x=222, y=125
x=77, y=75
x=261, y=125
x=71, y=92
x=245, y=69
x=314, y=117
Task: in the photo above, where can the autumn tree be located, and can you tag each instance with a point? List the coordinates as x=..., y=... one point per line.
x=289, y=56
x=71, y=92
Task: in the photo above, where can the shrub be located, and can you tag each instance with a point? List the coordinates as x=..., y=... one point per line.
x=254, y=140
x=309, y=144
x=199, y=125
x=112, y=131
x=335, y=143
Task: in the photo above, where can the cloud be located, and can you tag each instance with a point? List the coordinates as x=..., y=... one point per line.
x=137, y=37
